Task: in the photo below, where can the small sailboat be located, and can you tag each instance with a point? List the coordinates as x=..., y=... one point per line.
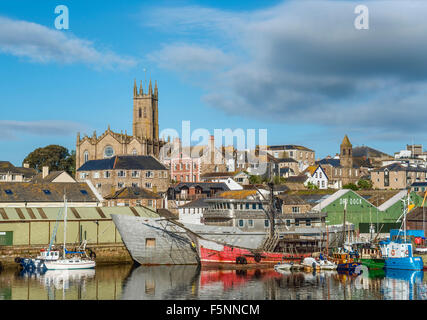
x=76, y=261
x=283, y=266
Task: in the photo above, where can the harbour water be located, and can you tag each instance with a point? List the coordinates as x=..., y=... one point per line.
x=124, y=282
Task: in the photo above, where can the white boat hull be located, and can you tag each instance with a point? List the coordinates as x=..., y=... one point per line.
x=67, y=265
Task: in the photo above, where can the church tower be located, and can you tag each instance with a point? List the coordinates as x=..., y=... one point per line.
x=145, y=112
x=346, y=159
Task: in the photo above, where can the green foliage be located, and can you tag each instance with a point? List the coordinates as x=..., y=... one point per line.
x=253, y=179
x=279, y=180
x=57, y=158
x=351, y=186
x=364, y=184
x=312, y=186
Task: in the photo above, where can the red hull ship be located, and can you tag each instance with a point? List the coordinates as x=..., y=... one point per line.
x=213, y=252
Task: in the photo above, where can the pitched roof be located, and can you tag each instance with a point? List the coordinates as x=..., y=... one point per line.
x=49, y=178
x=332, y=162
x=397, y=197
x=346, y=142
x=206, y=186
x=198, y=203
x=288, y=147
x=217, y=174
x=45, y=192
x=377, y=197
x=364, y=151
x=237, y=194
x=123, y=163
x=330, y=199
x=291, y=199
x=399, y=167
x=6, y=166
x=133, y=193
x=297, y=179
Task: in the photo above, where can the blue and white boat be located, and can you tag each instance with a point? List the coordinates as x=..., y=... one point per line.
x=398, y=252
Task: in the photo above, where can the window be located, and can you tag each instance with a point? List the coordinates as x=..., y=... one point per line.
x=108, y=152
x=241, y=223
x=83, y=175
x=107, y=174
x=120, y=184
x=149, y=174
x=250, y=223
x=98, y=185
x=46, y=191
x=148, y=185
x=308, y=223
x=295, y=209
x=83, y=192
x=135, y=184
x=296, y=223
x=86, y=156
x=288, y=223
x=150, y=203
x=135, y=174
x=266, y=223
x=254, y=206
x=121, y=173
x=194, y=178
x=134, y=152
x=96, y=175
x=140, y=113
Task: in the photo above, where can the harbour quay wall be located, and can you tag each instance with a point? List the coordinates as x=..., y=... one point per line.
x=106, y=253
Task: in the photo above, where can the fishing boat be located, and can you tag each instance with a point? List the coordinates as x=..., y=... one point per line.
x=212, y=252
x=372, y=258
x=398, y=253
x=78, y=260
x=346, y=261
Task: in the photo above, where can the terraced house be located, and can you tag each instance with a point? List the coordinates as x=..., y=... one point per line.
x=10, y=173
x=111, y=174
x=397, y=176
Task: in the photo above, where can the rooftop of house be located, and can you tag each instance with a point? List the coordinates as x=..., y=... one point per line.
x=237, y=194
x=398, y=167
x=289, y=147
x=205, y=186
x=7, y=167
x=365, y=151
x=123, y=163
x=45, y=192
x=49, y=178
x=291, y=199
x=218, y=174
x=132, y=193
x=199, y=203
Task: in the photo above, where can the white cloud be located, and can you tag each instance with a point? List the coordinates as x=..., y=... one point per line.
x=40, y=44
x=9, y=129
x=304, y=61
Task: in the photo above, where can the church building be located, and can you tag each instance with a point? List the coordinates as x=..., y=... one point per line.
x=143, y=141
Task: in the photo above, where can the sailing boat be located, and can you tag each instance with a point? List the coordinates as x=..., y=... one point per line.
x=75, y=262
x=398, y=253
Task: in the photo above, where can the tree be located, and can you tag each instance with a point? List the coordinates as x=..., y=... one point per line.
x=364, y=184
x=351, y=186
x=312, y=186
x=253, y=179
x=57, y=158
x=279, y=180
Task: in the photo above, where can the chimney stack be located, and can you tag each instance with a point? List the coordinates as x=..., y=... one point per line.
x=45, y=172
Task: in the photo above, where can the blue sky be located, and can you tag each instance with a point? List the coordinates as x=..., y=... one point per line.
x=297, y=68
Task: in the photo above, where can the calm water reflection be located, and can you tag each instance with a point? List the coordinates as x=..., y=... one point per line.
x=190, y=282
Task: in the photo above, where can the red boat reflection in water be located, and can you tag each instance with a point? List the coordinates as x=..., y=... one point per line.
x=234, y=278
